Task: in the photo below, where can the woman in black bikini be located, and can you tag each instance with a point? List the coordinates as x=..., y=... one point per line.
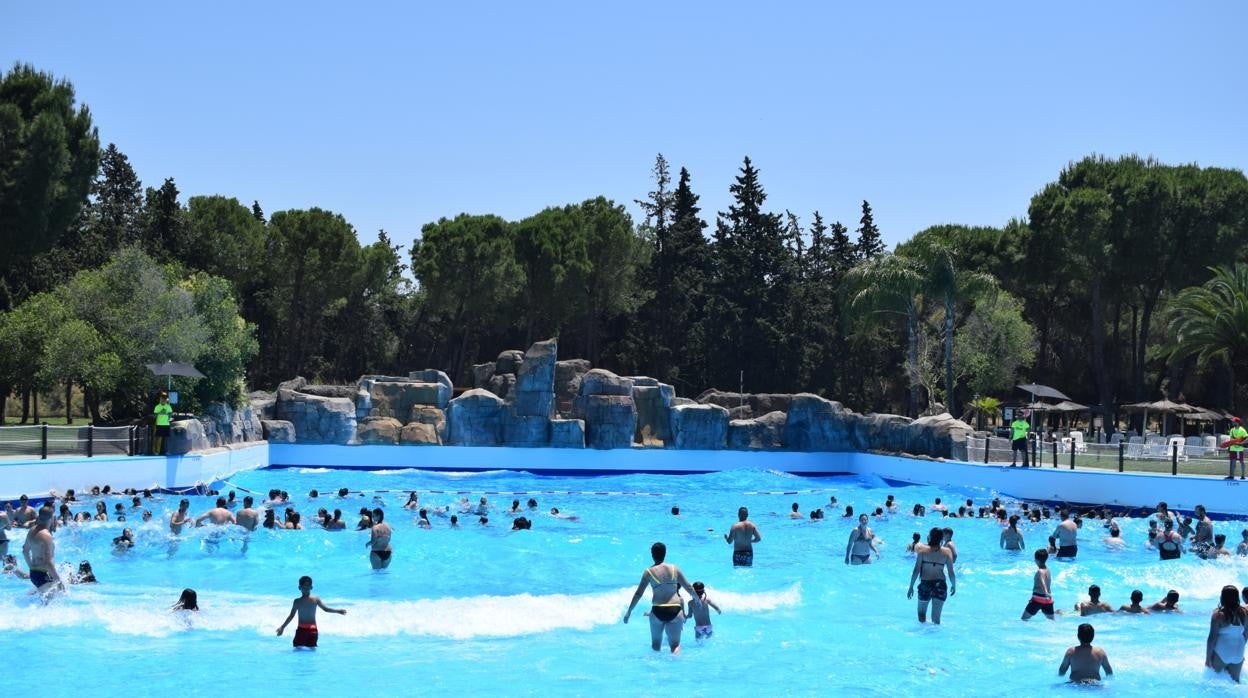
x=931, y=562
x=667, y=608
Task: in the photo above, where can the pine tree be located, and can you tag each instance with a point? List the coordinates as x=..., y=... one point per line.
x=164, y=222
x=256, y=211
x=842, y=254
x=869, y=242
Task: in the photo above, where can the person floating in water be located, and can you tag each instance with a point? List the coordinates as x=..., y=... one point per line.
x=189, y=601
x=1085, y=661
x=700, y=610
x=1093, y=605
x=742, y=536
x=305, y=605
x=667, y=611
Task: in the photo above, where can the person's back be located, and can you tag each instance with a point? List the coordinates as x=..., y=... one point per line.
x=1085, y=661
x=1093, y=605
x=248, y=517
x=742, y=536
x=1137, y=598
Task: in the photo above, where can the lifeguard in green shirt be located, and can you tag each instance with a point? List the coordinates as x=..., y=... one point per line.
x=1018, y=438
x=164, y=415
x=1236, y=447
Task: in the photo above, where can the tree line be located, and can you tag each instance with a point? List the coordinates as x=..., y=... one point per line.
x=1084, y=294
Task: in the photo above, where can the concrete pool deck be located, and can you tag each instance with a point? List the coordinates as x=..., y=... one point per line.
x=1081, y=485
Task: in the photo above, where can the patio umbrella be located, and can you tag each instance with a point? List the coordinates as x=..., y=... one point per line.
x=1160, y=407
x=1043, y=391
x=1068, y=406
x=172, y=369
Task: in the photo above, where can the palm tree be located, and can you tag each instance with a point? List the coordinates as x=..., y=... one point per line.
x=982, y=407
x=1210, y=322
x=938, y=264
x=890, y=284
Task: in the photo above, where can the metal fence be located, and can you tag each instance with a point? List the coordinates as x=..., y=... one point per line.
x=1163, y=456
x=46, y=440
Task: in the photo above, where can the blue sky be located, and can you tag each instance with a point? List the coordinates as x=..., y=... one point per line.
x=396, y=114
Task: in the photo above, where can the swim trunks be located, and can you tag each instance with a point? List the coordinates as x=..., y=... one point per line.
x=665, y=614
x=701, y=631
x=1040, y=604
x=933, y=589
x=39, y=578
x=383, y=555
x=305, y=635
x=743, y=558
x=1067, y=551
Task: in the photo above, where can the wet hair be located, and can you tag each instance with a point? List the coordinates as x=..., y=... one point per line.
x=424, y=514
x=743, y=514
x=699, y=587
x=378, y=515
x=935, y=537
x=658, y=551
x=675, y=511
x=1114, y=531
x=305, y=579
x=918, y=510
x=337, y=514
x=938, y=500
x=917, y=536
x=311, y=495
x=342, y=492
x=1138, y=596
x=1219, y=540
x=878, y=512
x=483, y=520
x=794, y=506
x=849, y=511
x=532, y=503
x=1094, y=592
x=1172, y=596
x=1042, y=556
x=189, y=600
x=948, y=532
x=1013, y=521
x=454, y=520
x=1228, y=604
x=221, y=501
x=1085, y=633
x=248, y=501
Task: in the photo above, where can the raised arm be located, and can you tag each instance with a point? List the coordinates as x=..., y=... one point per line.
x=327, y=609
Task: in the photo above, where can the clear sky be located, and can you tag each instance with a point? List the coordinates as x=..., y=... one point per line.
x=396, y=114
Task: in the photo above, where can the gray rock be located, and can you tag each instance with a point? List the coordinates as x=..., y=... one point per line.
x=700, y=427
x=481, y=374
x=278, y=431
x=347, y=391
x=263, y=403
x=387, y=396
x=508, y=362
x=431, y=416
x=603, y=382
x=537, y=371
x=654, y=407
x=568, y=381
x=762, y=403
x=379, y=430
x=610, y=421
x=433, y=375
x=764, y=433
x=475, y=419
x=225, y=425
x=644, y=381
x=882, y=432
x=501, y=384
x=683, y=401
x=816, y=424
x=525, y=430
x=741, y=412
x=324, y=420
x=296, y=384
x=940, y=436
x=532, y=403
x=185, y=436
x=567, y=433
x=418, y=434
x=723, y=399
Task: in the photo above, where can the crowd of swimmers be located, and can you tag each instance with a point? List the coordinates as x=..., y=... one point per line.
x=1169, y=533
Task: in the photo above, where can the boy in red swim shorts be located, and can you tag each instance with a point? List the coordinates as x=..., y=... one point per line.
x=305, y=606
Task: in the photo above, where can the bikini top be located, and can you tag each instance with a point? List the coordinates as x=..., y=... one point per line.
x=655, y=582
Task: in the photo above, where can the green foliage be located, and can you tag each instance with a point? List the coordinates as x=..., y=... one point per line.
x=994, y=345
x=1210, y=322
x=49, y=152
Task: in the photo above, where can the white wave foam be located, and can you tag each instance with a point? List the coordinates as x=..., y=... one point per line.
x=460, y=618
x=310, y=471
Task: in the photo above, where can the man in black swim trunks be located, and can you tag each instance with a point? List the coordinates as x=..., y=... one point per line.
x=39, y=552
x=1067, y=533
x=742, y=536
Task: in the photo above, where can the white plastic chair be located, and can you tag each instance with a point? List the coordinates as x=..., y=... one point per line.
x=1076, y=437
x=1156, y=447
x=1136, y=447
x=1172, y=443
x=1195, y=446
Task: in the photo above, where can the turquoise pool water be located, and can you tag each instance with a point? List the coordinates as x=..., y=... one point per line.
x=486, y=610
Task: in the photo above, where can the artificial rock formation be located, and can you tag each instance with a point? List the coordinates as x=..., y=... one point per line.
x=700, y=427
x=475, y=419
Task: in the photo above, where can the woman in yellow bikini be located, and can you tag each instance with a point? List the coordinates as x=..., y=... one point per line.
x=667, y=608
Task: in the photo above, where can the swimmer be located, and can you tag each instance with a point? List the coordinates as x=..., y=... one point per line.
x=311, y=495
x=554, y=511
x=378, y=542
x=412, y=502
x=937, y=506
x=531, y=504
x=1084, y=660
x=930, y=565
x=188, y=601
x=1170, y=604
x=1228, y=632
x=305, y=605
x=343, y=492
x=39, y=552
x=454, y=521
x=667, y=611
x=1114, y=539
x=101, y=511
x=699, y=610
x=1137, y=597
x=1218, y=549
x=366, y=520
x=1011, y=537
x=336, y=524
x=742, y=537
x=1093, y=605
x=861, y=544
x=248, y=517
x=914, y=543
x=1067, y=533
x=675, y=511
x=515, y=507
x=1240, y=550
x=1041, y=589
x=422, y=520
x=832, y=503
x=953, y=550
x=293, y=519
x=849, y=512
x=891, y=504
x=123, y=542
x=84, y=575
x=6, y=525
x=795, y=513
x=270, y=519
x=10, y=567
x=218, y=515
x=483, y=507
x=25, y=515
